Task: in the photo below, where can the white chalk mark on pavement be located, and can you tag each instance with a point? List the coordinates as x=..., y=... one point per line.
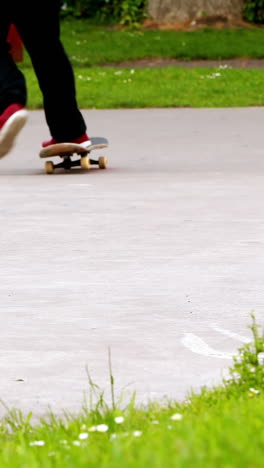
x=199, y=346
x=80, y=185
x=233, y=335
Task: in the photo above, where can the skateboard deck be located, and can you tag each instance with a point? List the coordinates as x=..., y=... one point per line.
x=67, y=150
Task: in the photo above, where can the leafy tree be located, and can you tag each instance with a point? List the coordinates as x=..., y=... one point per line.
x=254, y=11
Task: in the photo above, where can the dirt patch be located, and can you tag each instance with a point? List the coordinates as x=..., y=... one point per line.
x=212, y=22
x=245, y=63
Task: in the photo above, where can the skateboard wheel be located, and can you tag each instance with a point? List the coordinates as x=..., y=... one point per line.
x=49, y=167
x=102, y=162
x=85, y=162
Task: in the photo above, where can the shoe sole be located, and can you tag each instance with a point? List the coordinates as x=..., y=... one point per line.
x=86, y=144
x=10, y=130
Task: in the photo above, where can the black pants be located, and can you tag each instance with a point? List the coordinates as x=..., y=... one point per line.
x=38, y=24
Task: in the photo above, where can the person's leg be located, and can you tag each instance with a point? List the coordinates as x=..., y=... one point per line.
x=13, y=93
x=39, y=28
x=12, y=82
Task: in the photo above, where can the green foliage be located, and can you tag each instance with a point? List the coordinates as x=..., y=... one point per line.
x=81, y=8
x=248, y=369
x=254, y=11
x=124, y=12
x=214, y=428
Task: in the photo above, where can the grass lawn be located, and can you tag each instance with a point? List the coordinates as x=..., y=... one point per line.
x=99, y=46
x=105, y=88
x=211, y=431
x=89, y=47
x=218, y=427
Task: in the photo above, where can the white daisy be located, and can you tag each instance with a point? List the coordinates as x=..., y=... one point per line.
x=119, y=419
x=102, y=428
x=37, y=443
x=176, y=417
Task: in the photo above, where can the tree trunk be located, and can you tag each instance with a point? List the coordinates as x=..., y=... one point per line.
x=180, y=10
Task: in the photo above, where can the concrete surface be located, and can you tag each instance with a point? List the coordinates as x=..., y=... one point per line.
x=160, y=258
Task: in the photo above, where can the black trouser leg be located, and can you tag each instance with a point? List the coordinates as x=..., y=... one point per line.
x=38, y=25
x=12, y=81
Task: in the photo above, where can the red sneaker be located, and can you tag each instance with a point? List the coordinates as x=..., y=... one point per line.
x=83, y=140
x=12, y=121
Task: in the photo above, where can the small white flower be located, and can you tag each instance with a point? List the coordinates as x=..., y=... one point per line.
x=155, y=422
x=119, y=419
x=118, y=73
x=113, y=436
x=132, y=72
x=253, y=390
x=137, y=433
x=77, y=443
x=169, y=427
x=37, y=443
x=102, y=428
x=83, y=436
x=261, y=359
x=176, y=417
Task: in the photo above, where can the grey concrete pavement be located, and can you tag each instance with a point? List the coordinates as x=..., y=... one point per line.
x=159, y=258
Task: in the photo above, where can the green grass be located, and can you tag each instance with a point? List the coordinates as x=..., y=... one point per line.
x=212, y=432
x=105, y=88
x=218, y=427
x=90, y=45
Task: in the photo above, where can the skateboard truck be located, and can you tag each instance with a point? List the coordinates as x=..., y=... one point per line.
x=84, y=162
x=66, y=150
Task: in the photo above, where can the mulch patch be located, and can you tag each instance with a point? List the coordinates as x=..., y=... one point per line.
x=245, y=63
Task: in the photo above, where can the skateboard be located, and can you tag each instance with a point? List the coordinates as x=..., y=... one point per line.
x=67, y=150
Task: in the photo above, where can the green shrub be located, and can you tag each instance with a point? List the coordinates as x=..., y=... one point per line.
x=254, y=11
x=248, y=369
x=124, y=12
